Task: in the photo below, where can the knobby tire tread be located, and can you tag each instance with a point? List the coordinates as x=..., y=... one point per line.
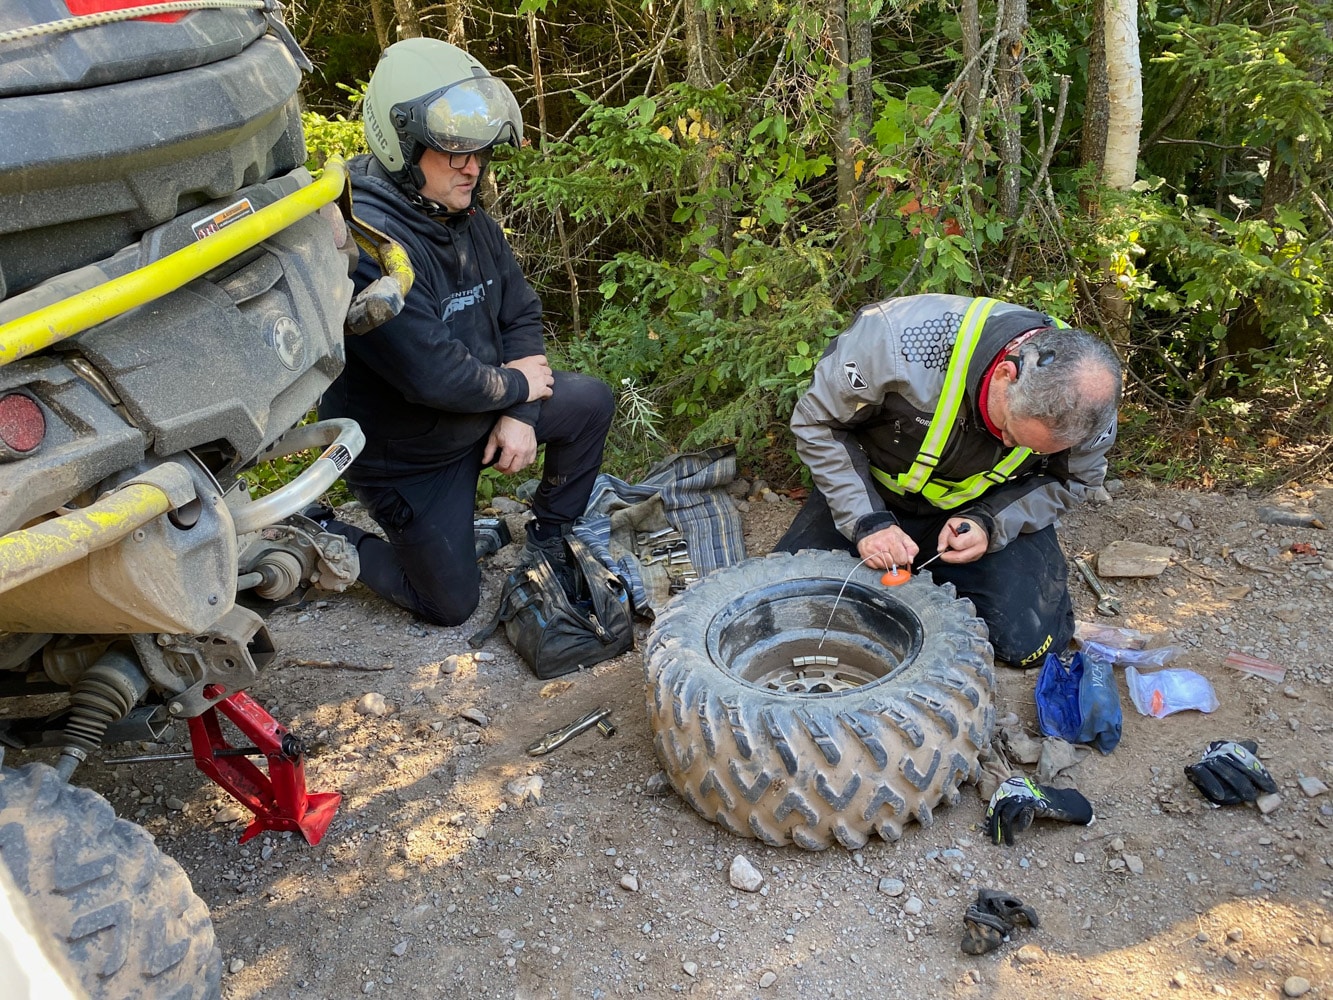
x=815, y=771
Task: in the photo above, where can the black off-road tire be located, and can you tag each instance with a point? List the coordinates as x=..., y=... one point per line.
x=123, y=914
x=769, y=743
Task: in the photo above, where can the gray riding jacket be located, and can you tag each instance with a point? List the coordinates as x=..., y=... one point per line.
x=870, y=404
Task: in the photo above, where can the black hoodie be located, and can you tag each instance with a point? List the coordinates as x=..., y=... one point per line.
x=427, y=386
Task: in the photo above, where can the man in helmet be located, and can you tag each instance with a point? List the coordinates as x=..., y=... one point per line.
x=938, y=423
x=459, y=379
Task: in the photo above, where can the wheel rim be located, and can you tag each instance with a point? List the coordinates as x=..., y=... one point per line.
x=770, y=637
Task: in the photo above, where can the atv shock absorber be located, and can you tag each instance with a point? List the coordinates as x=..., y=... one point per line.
x=105, y=693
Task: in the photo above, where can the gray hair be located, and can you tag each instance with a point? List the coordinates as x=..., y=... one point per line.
x=1068, y=380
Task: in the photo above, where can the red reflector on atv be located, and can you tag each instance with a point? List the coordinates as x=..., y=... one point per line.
x=22, y=426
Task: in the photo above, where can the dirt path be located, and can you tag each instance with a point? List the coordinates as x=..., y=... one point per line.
x=434, y=881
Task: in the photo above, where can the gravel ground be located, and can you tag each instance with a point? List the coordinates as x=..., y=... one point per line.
x=459, y=866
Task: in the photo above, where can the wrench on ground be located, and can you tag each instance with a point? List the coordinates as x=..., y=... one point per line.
x=1107, y=603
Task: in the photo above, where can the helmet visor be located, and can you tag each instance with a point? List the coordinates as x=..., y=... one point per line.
x=464, y=117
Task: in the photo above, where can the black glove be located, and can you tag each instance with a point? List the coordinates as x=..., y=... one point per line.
x=1229, y=773
x=1019, y=800
x=990, y=919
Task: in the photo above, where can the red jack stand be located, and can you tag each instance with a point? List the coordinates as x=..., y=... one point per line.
x=278, y=800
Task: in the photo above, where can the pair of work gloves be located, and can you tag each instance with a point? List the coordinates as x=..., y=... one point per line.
x=1228, y=773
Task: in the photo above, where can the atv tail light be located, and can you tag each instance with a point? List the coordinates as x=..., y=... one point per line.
x=22, y=426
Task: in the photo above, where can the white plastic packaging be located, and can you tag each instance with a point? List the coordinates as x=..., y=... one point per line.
x=1166, y=691
x=1157, y=657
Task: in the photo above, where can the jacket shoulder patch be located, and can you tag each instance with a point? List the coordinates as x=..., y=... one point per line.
x=854, y=377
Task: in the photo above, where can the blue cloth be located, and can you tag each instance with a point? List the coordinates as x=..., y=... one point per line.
x=1080, y=703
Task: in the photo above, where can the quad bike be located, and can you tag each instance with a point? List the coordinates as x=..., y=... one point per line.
x=173, y=292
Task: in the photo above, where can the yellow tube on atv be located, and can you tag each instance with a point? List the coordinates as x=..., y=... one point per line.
x=61, y=320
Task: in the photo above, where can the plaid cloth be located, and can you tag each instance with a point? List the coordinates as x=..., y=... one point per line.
x=685, y=492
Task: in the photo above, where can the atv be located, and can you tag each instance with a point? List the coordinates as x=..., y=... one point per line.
x=173, y=291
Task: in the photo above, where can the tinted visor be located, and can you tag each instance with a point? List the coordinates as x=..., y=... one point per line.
x=464, y=117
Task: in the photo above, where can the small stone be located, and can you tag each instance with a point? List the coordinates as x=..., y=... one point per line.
x=913, y=906
x=1268, y=803
x=1079, y=858
x=1030, y=954
x=236, y=965
x=228, y=814
x=1326, y=935
x=473, y=715
x=745, y=876
x=770, y=977
x=372, y=704
x=1312, y=787
x=1295, y=986
x=1180, y=980
x=690, y=969
x=175, y=804
x=400, y=949
x=892, y=886
x=1117, y=845
x=483, y=656
x=657, y=784
x=1236, y=934
x=1134, y=863
x=450, y=664
x=521, y=791
x=629, y=883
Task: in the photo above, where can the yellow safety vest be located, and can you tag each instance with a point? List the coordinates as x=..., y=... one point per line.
x=942, y=493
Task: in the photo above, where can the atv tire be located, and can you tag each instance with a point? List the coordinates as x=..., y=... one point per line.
x=770, y=735
x=122, y=913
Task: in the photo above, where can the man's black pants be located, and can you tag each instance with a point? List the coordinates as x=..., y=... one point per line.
x=1020, y=591
x=429, y=562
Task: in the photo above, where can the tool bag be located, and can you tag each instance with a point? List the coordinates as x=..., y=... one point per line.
x=555, y=631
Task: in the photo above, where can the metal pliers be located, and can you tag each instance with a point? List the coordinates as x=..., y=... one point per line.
x=559, y=737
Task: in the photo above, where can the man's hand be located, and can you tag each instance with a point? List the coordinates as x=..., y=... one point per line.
x=513, y=445
x=539, y=376
x=962, y=545
x=888, y=548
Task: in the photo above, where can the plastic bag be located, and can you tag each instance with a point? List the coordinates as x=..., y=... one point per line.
x=1080, y=703
x=1166, y=691
x=1111, y=635
x=1158, y=657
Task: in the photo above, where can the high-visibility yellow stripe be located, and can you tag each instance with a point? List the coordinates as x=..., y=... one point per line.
x=941, y=493
x=60, y=320
x=951, y=395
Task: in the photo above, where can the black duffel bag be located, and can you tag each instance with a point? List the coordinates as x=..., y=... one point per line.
x=559, y=628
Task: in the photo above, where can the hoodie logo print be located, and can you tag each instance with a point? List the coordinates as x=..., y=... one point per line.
x=853, y=374
x=461, y=300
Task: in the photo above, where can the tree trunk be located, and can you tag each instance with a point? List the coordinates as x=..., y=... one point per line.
x=1092, y=148
x=455, y=14
x=860, y=32
x=1124, y=94
x=844, y=155
x=1008, y=96
x=379, y=13
x=539, y=93
x=409, y=23
x=1124, y=125
x=703, y=71
x=969, y=20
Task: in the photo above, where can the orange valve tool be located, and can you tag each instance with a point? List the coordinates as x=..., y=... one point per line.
x=896, y=576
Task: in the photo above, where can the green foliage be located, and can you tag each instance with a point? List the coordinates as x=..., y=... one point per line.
x=691, y=250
